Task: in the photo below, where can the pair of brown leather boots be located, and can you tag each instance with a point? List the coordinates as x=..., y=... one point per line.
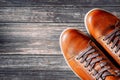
x=87, y=59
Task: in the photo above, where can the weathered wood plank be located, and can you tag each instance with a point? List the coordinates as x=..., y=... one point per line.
x=16, y=74
x=33, y=38
x=59, y=2
x=32, y=28
x=57, y=14
x=33, y=62
x=34, y=67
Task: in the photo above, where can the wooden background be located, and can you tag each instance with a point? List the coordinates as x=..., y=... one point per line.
x=29, y=36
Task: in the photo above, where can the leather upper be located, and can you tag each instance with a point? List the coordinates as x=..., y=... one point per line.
x=72, y=43
x=101, y=23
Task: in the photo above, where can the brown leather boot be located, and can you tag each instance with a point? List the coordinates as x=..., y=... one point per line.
x=85, y=58
x=104, y=27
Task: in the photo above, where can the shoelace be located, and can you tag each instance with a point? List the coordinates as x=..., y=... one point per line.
x=90, y=63
x=115, y=38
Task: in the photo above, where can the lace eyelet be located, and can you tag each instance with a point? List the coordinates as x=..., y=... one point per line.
x=85, y=66
x=77, y=58
x=89, y=70
x=115, y=51
x=107, y=43
x=93, y=74
x=111, y=47
x=103, y=39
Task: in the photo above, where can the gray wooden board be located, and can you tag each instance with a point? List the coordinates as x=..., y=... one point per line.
x=59, y=2
x=29, y=36
x=33, y=38
x=33, y=62
x=18, y=74
x=34, y=67
x=51, y=14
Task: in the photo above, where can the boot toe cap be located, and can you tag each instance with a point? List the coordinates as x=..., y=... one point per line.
x=72, y=41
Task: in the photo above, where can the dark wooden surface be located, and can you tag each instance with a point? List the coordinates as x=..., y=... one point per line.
x=29, y=36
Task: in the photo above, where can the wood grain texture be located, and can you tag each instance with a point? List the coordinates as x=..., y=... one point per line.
x=34, y=67
x=18, y=74
x=33, y=62
x=29, y=36
x=50, y=14
x=59, y=2
x=32, y=38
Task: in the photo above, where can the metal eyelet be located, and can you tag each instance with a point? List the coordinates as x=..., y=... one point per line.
x=111, y=47
x=103, y=39
x=115, y=51
x=77, y=58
